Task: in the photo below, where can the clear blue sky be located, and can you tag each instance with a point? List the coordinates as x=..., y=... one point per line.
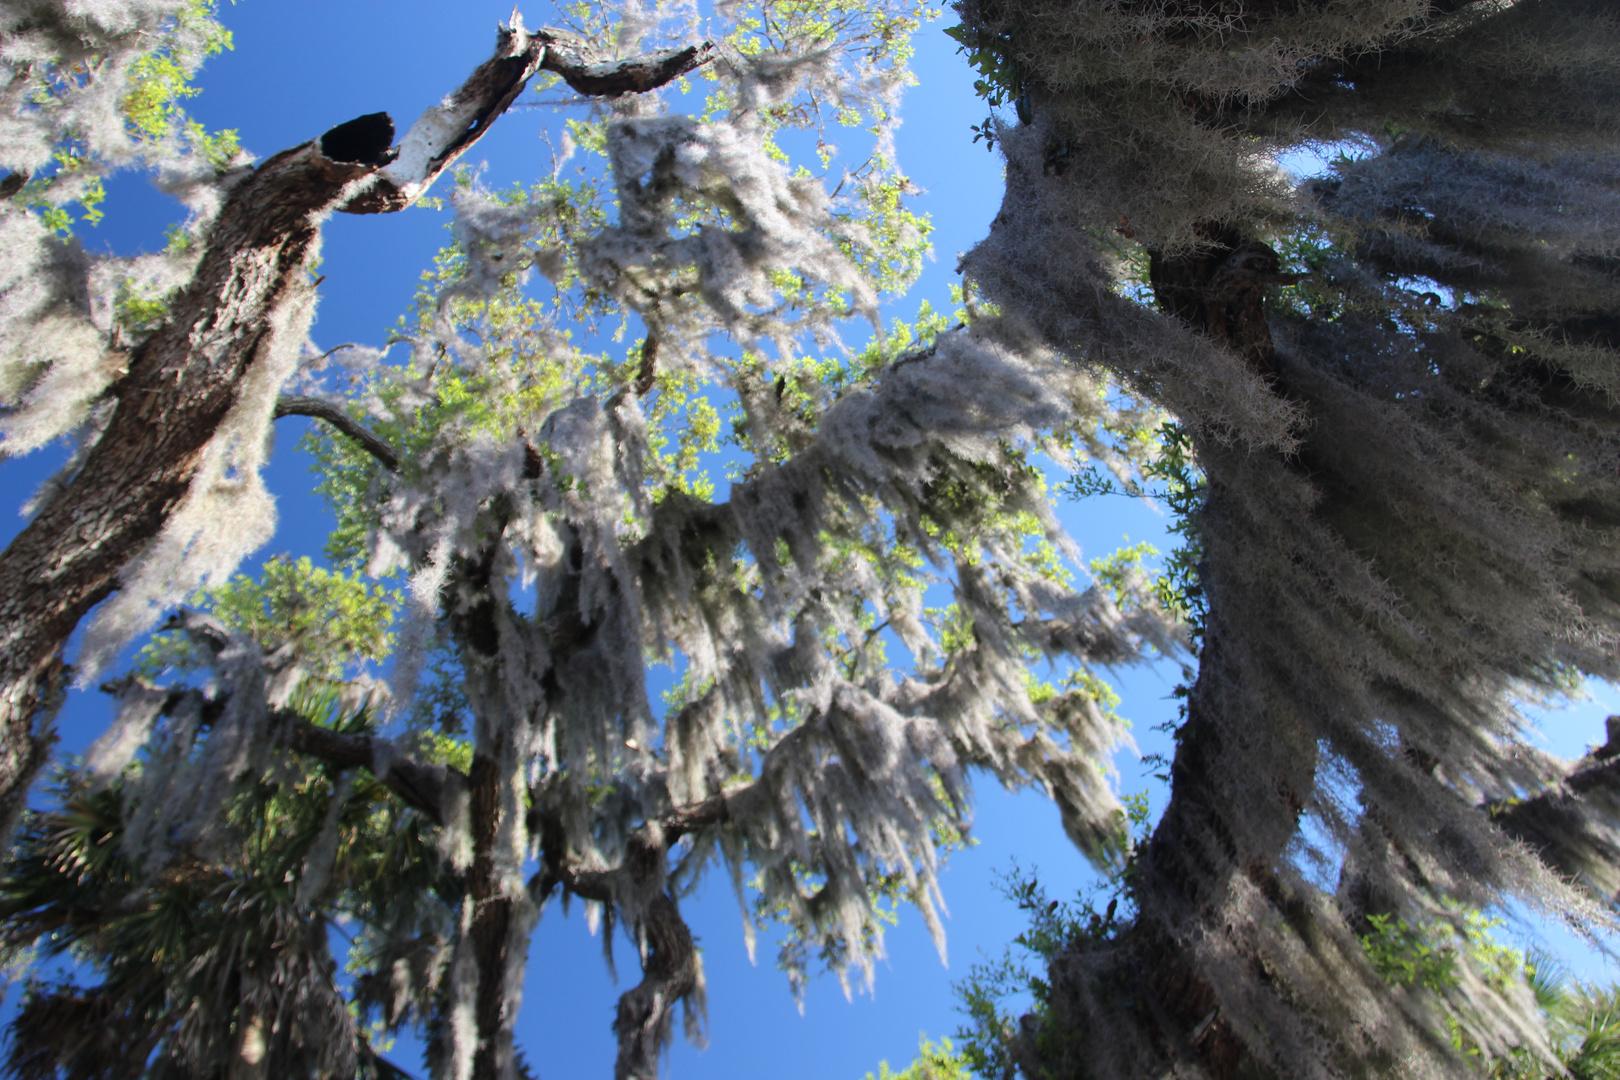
x=300, y=67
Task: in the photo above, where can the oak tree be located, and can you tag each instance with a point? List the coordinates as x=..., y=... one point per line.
x=1397, y=381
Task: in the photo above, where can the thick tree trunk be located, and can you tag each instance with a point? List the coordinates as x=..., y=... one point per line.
x=251, y=1059
x=181, y=383
x=669, y=966
x=1220, y=290
x=187, y=376
x=489, y=938
x=1197, y=850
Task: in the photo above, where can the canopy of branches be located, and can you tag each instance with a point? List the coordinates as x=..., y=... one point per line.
x=648, y=412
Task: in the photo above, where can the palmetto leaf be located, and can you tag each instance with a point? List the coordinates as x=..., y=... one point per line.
x=209, y=950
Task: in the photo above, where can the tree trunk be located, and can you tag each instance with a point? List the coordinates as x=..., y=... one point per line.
x=251, y=1059
x=490, y=934
x=1221, y=291
x=1196, y=850
x=669, y=966
x=180, y=384
x=495, y=928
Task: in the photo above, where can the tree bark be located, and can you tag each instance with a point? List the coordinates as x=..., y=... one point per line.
x=185, y=378
x=494, y=930
x=490, y=934
x=421, y=787
x=251, y=1059
x=1194, y=853
x=180, y=385
x=1574, y=826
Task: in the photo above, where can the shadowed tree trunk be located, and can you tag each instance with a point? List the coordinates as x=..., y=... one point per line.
x=1218, y=290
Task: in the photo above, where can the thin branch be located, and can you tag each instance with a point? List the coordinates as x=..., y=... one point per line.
x=1571, y=825
x=647, y=374
x=319, y=409
x=336, y=348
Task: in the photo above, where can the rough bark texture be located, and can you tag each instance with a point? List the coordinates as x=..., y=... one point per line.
x=669, y=971
x=490, y=934
x=421, y=787
x=1388, y=564
x=180, y=384
x=184, y=379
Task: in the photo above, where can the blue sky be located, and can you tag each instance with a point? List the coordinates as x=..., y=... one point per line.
x=298, y=68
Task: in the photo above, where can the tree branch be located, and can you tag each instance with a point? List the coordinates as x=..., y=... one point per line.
x=668, y=975
x=637, y=75
x=445, y=131
x=297, y=405
x=669, y=971
x=694, y=816
x=1574, y=826
x=421, y=787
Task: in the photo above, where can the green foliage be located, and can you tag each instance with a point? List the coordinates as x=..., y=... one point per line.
x=1116, y=570
x=896, y=238
x=158, y=82
x=218, y=938
x=41, y=193
x=191, y=954
x=1173, y=479
x=332, y=619
x=1581, y=1021
x=137, y=311
x=1407, y=956
x=1002, y=79
x=934, y=1061
x=994, y=988
x=1428, y=956
x=161, y=79
x=1585, y=1026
